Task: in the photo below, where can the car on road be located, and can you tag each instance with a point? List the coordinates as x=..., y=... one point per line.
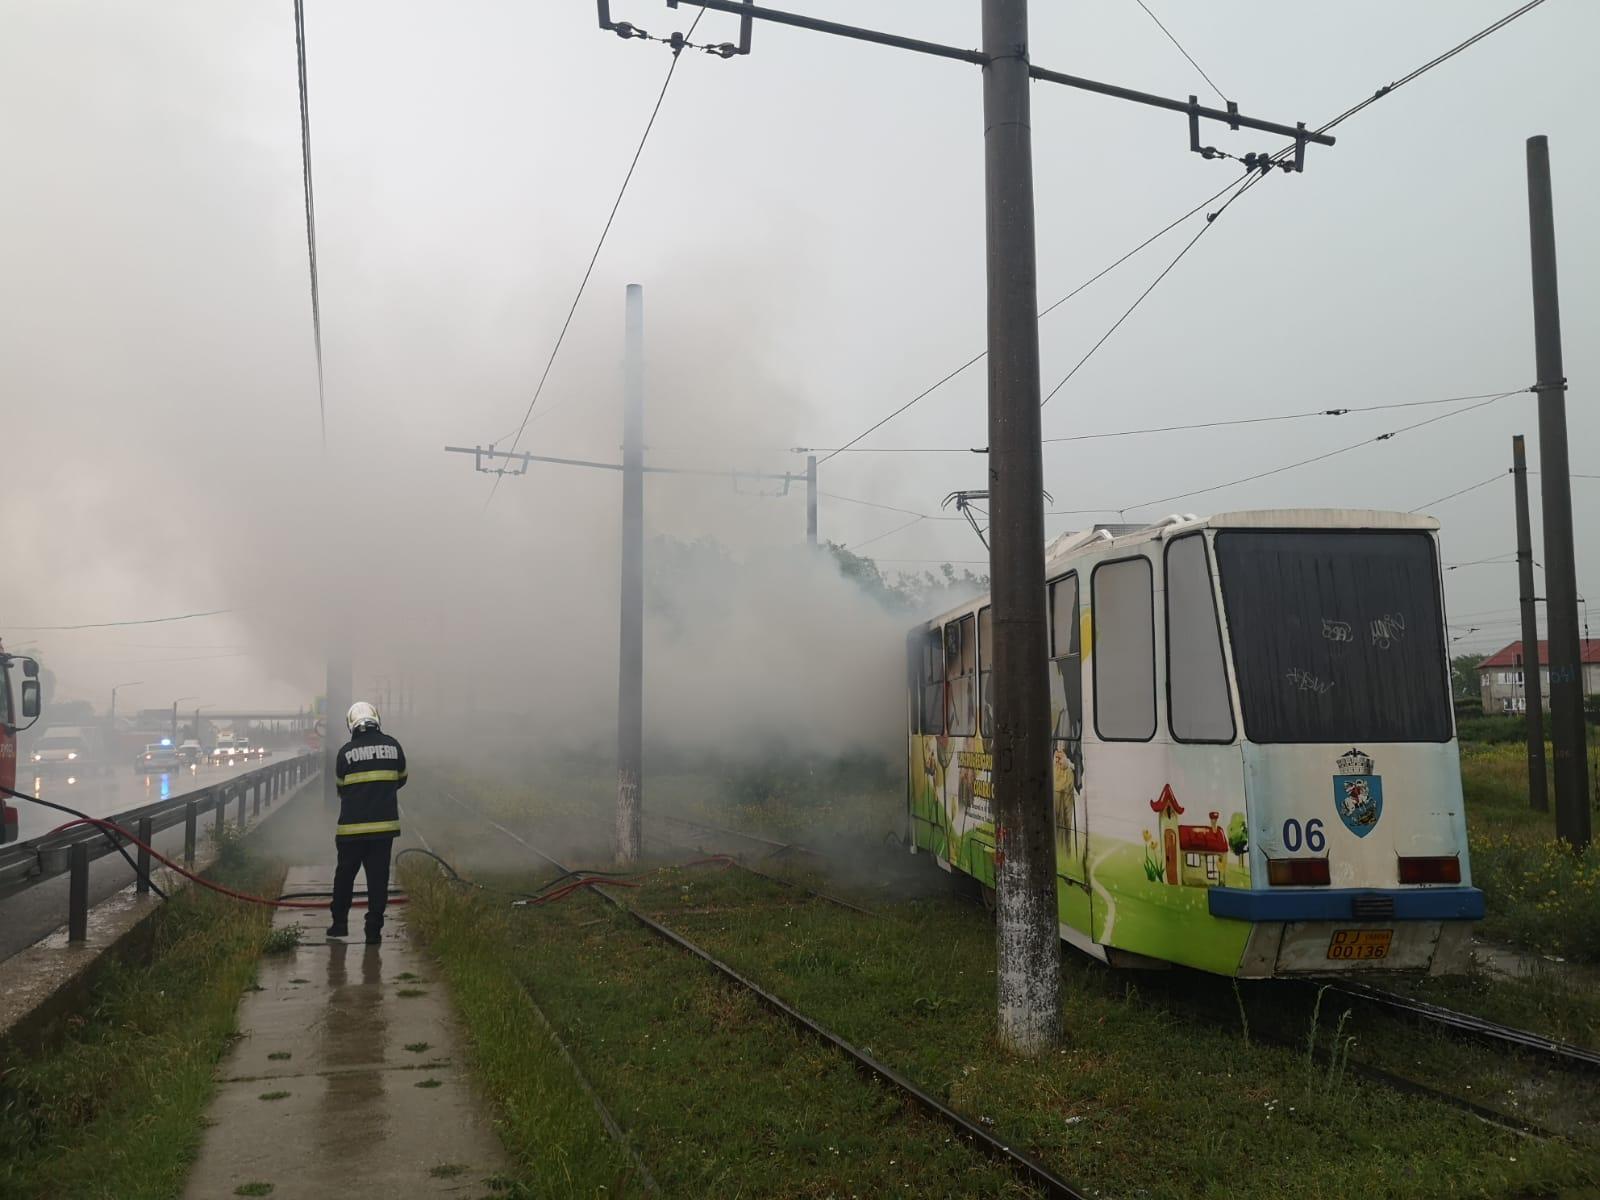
x=157, y=756
x=225, y=750
x=69, y=749
x=189, y=752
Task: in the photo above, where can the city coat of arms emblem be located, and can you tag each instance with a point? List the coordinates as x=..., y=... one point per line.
x=1357, y=792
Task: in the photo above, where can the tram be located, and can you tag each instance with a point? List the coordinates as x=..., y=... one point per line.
x=1254, y=766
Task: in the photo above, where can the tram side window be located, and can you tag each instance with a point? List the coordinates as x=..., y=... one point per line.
x=1066, y=678
x=961, y=676
x=985, y=673
x=933, y=682
x=1199, y=707
x=1124, y=651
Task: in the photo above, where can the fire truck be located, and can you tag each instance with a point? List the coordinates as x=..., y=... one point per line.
x=14, y=719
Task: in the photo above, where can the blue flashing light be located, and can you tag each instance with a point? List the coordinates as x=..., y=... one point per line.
x=166, y=741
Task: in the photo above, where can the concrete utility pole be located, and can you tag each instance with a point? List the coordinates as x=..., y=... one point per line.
x=1555, y=489
x=811, y=499
x=630, y=681
x=1028, y=939
x=1532, y=689
x=1029, y=951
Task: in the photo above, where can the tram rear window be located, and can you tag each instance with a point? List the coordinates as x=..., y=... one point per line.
x=1336, y=635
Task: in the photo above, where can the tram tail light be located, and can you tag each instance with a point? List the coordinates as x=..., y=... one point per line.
x=1297, y=871
x=1441, y=869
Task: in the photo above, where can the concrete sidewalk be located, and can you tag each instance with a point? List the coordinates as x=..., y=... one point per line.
x=357, y=1049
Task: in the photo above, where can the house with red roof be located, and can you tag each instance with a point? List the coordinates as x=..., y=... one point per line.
x=1195, y=855
x=1500, y=676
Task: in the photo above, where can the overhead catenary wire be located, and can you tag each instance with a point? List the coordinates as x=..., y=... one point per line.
x=1305, y=462
x=1253, y=177
x=1044, y=312
x=879, y=537
x=1482, y=483
x=215, y=612
x=583, y=284
x=1181, y=50
x=1189, y=426
x=311, y=213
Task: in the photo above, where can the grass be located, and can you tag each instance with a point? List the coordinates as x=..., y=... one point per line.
x=718, y=1095
x=279, y=1095
x=1538, y=893
x=1132, y=1070
x=253, y=1189
x=114, y=1110
x=556, y=1142
x=283, y=940
x=1163, y=1098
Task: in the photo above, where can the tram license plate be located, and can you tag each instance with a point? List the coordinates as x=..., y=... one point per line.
x=1356, y=945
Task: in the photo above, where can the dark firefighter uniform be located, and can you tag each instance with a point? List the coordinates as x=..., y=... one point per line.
x=371, y=771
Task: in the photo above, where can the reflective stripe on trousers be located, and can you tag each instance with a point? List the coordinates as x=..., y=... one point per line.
x=366, y=827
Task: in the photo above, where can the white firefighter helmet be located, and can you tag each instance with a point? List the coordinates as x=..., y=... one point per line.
x=362, y=716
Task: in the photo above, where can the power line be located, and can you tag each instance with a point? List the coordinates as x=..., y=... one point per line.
x=1211, y=219
x=1255, y=177
x=857, y=546
x=215, y=612
x=1193, y=425
x=1462, y=492
x=1251, y=178
x=1181, y=50
x=593, y=258
x=1044, y=312
x=1382, y=437
x=311, y=212
x=887, y=507
x=1430, y=64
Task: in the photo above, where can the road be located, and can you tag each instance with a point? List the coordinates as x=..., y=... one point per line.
x=32, y=914
x=106, y=795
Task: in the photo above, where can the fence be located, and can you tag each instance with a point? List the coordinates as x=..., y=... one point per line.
x=27, y=864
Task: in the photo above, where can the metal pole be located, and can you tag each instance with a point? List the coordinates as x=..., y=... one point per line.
x=630, y=682
x=147, y=834
x=811, y=499
x=1028, y=980
x=1555, y=492
x=78, y=893
x=190, y=829
x=1532, y=690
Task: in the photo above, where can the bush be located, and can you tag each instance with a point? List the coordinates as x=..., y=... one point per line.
x=1492, y=730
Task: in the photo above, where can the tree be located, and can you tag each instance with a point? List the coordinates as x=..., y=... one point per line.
x=1238, y=836
x=1464, y=676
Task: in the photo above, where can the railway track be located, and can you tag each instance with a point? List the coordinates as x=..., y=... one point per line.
x=1466, y=1024
x=1027, y=1168
x=1559, y=1053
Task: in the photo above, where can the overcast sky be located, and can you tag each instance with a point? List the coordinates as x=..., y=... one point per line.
x=808, y=226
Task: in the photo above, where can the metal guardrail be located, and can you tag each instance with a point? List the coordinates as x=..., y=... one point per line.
x=26, y=864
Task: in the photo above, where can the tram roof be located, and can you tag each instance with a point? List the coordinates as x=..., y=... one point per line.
x=1105, y=535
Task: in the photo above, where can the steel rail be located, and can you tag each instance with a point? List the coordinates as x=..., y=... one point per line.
x=1028, y=1168
x=612, y=1127
x=1564, y=1054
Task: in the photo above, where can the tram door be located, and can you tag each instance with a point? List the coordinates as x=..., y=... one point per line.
x=1066, y=738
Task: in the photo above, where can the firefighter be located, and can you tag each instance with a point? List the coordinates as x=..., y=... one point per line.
x=371, y=770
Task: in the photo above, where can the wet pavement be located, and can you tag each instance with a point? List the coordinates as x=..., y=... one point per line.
x=347, y=1079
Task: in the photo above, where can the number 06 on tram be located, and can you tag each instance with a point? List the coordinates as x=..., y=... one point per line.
x=1254, y=768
